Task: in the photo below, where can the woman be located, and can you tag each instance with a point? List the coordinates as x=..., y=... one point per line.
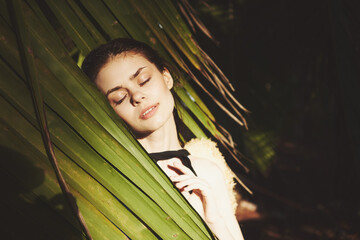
x=137, y=84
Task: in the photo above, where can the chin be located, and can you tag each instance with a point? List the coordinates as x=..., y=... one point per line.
x=152, y=126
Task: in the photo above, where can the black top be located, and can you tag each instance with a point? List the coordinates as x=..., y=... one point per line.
x=182, y=154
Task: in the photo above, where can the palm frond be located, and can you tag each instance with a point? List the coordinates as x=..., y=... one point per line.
x=116, y=185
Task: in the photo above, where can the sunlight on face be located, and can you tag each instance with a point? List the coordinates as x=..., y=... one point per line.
x=138, y=92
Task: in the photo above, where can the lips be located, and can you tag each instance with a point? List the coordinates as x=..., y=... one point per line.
x=148, y=112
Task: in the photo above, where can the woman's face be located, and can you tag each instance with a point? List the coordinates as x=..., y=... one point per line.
x=138, y=92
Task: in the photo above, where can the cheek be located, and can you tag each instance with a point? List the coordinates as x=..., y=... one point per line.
x=170, y=99
x=124, y=113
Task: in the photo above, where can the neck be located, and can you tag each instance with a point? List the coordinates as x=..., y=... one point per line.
x=163, y=139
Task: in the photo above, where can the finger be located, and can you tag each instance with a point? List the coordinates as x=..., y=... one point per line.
x=181, y=189
x=178, y=178
x=198, y=187
x=183, y=169
x=186, y=194
x=191, y=181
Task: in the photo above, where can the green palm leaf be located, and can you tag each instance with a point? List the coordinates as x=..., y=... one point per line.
x=119, y=190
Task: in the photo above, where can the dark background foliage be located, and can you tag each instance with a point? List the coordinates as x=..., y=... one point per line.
x=295, y=66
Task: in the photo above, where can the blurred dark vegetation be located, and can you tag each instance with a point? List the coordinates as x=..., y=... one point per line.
x=295, y=65
x=29, y=215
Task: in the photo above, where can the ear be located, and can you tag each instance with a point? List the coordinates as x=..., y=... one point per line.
x=168, y=78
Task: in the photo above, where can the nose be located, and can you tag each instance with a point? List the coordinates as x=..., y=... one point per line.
x=137, y=97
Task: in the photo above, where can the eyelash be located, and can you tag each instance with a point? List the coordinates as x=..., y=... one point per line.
x=144, y=82
x=122, y=99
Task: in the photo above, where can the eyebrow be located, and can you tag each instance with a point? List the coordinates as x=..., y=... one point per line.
x=136, y=73
x=132, y=77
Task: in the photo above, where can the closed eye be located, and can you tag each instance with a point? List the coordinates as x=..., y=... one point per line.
x=144, y=82
x=120, y=101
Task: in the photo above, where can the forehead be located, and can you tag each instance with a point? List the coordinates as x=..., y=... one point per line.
x=119, y=69
x=125, y=63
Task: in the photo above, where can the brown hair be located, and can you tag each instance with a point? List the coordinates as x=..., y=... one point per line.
x=100, y=56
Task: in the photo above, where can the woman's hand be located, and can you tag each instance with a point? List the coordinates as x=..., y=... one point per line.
x=210, y=191
x=200, y=188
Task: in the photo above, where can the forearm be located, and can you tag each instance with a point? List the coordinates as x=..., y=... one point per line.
x=221, y=230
